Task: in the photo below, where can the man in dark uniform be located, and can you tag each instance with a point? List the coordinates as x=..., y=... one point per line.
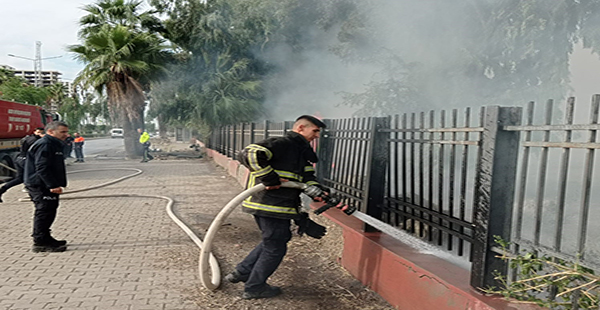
x=68, y=147
x=26, y=143
x=45, y=177
x=271, y=162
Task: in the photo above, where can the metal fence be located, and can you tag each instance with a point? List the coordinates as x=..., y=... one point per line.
x=458, y=179
x=557, y=201
x=432, y=176
x=230, y=140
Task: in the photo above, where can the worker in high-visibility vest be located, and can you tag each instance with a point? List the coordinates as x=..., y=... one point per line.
x=145, y=141
x=78, y=147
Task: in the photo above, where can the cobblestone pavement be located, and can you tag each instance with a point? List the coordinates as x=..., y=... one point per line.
x=116, y=253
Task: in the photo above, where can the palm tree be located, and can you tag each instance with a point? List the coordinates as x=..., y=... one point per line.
x=121, y=61
x=118, y=12
x=56, y=95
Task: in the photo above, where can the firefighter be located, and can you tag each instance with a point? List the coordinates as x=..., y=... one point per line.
x=271, y=162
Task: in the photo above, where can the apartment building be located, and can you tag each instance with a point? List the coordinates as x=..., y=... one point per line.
x=47, y=78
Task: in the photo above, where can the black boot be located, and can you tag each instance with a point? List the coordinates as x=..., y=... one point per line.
x=267, y=292
x=48, y=244
x=47, y=248
x=51, y=240
x=235, y=277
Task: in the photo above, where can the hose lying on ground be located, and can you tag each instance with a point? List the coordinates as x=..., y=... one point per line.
x=212, y=261
x=212, y=279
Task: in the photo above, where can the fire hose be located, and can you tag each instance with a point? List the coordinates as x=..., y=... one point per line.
x=208, y=266
x=312, y=191
x=8, y=167
x=213, y=263
x=331, y=200
x=211, y=279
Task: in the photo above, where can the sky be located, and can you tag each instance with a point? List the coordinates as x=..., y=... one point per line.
x=52, y=22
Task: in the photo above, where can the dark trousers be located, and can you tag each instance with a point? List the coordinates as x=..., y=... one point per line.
x=46, y=204
x=67, y=151
x=79, y=153
x=267, y=255
x=146, y=154
x=19, y=164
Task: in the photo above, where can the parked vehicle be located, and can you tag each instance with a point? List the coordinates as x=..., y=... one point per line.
x=116, y=133
x=16, y=121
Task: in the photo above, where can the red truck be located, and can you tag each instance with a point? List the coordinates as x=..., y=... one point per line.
x=16, y=121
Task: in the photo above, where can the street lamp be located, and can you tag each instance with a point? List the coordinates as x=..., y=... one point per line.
x=37, y=62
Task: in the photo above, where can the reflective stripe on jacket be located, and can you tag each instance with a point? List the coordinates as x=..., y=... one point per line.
x=290, y=157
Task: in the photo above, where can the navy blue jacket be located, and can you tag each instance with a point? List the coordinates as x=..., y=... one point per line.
x=45, y=164
x=26, y=143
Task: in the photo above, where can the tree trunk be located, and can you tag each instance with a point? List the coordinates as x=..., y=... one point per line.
x=162, y=127
x=133, y=147
x=127, y=96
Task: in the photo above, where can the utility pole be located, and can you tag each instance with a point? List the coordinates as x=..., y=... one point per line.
x=37, y=63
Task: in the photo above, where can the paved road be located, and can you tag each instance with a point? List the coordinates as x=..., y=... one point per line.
x=102, y=147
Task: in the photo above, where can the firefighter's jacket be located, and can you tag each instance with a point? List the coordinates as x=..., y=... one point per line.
x=290, y=157
x=26, y=143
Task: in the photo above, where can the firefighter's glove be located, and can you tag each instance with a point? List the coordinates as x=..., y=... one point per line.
x=324, y=188
x=317, y=192
x=310, y=228
x=315, y=230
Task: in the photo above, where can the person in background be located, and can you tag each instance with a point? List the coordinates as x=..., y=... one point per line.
x=78, y=146
x=26, y=143
x=45, y=178
x=68, y=146
x=145, y=141
x=271, y=162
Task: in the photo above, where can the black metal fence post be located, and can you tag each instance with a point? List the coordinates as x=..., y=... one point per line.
x=227, y=140
x=325, y=155
x=234, y=142
x=242, y=140
x=287, y=126
x=266, y=131
x=377, y=161
x=251, y=133
x=222, y=140
x=495, y=194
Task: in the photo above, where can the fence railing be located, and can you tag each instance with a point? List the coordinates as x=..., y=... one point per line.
x=457, y=180
x=558, y=199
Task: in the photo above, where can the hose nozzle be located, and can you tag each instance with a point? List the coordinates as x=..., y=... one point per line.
x=330, y=200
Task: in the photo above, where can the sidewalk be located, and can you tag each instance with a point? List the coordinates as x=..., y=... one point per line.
x=120, y=249
x=126, y=253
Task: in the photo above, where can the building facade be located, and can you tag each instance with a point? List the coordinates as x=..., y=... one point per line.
x=47, y=77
